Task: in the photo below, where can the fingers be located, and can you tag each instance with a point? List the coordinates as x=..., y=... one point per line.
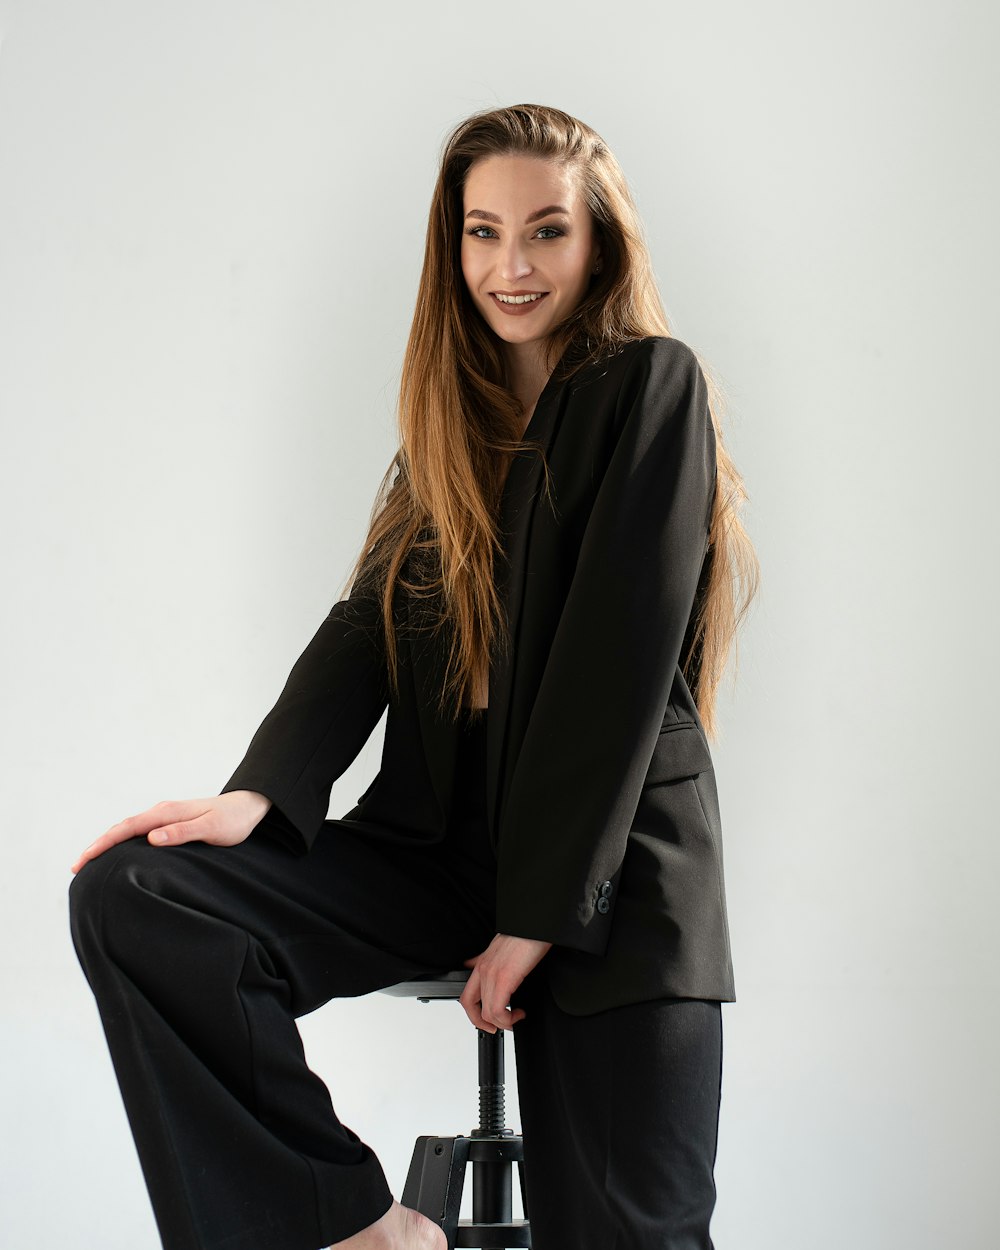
x=121, y=832
x=512, y=1015
x=489, y=1019
x=200, y=828
x=167, y=823
x=488, y=1008
x=469, y=998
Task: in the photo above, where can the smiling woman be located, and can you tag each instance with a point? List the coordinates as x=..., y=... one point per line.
x=524, y=277
x=545, y=811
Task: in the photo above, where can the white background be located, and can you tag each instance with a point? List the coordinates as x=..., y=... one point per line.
x=212, y=219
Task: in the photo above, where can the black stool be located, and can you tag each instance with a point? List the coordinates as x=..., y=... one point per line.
x=437, y=1169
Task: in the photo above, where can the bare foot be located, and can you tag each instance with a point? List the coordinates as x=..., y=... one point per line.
x=401, y=1228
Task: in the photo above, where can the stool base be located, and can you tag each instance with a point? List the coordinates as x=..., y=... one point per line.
x=434, y=1188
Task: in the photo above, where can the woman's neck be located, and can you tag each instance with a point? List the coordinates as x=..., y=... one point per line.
x=528, y=375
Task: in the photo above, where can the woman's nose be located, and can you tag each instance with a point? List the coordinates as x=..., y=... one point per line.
x=514, y=264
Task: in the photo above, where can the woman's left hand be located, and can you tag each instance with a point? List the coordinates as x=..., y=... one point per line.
x=496, y=974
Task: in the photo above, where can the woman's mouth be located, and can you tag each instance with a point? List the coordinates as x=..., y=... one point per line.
x=519, y=304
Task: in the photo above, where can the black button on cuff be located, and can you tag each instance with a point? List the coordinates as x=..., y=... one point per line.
x=606, y=888
x=603, y=906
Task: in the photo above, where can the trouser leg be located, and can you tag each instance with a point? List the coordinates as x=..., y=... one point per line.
x=200, y=958
x=620, y=1114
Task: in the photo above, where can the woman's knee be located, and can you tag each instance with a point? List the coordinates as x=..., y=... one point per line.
x=105, y=890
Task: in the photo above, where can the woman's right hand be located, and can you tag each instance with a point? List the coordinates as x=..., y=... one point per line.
x=223, y=820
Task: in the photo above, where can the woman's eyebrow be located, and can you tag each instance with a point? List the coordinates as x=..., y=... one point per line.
x=542, y=212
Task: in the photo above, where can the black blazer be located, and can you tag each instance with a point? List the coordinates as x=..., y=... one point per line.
x=600, y=785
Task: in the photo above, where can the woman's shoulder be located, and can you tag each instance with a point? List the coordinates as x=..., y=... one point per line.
x=661, y=346
x=664, y=363
x=646, y=347
x=651, y=354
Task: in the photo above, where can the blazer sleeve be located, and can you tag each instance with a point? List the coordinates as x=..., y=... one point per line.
x=607, y=680
x=333, y=698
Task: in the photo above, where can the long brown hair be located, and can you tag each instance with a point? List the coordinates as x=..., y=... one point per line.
x=434, y=531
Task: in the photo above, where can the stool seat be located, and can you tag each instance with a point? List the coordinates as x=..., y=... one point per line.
x=448, y=985
x=437, y=1169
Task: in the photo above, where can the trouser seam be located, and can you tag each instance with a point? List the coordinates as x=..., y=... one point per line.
x=139, y=1051
x=307, y=1162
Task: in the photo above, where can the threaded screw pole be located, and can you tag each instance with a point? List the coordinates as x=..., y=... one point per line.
x=491, y=1083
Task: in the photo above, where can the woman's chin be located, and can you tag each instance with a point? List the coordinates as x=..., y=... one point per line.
x=514, y=333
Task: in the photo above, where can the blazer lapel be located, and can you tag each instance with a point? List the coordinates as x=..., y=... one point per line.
x=521, y=490
x=428, y=653
x=428, y=656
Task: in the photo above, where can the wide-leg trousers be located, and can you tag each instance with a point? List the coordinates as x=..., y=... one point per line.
x=201, y=958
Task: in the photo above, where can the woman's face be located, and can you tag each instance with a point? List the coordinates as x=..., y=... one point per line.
x=526, y=231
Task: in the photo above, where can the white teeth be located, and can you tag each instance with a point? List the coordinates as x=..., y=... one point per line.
x=517, y=299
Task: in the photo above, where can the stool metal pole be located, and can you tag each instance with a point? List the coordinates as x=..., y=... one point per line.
x=491, y=1181
x=438, y=1166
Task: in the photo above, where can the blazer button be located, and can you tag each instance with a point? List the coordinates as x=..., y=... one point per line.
x=606, y=888
x=603, y=906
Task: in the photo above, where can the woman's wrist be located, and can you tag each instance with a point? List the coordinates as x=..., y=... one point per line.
x=258, y=803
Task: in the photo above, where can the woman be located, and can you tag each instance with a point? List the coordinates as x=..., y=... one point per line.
x=547, y=632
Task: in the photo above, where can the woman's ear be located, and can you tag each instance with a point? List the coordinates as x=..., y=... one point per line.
x=598, y=263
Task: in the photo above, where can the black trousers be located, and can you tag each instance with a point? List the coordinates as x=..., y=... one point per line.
x=202, y=957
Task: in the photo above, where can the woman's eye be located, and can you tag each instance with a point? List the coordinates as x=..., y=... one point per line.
x=474, y=230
